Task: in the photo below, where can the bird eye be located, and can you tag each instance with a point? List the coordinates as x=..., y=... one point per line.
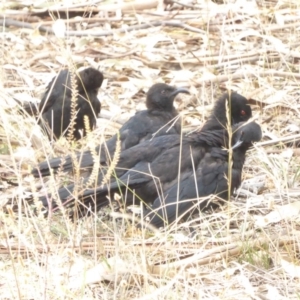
x=163, y=92
x=243, y=113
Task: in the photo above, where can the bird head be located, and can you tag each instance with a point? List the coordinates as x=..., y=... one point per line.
x=161, y=96
x=245, y=134
x=89, y=79
x=239, y=111
x=240, y=108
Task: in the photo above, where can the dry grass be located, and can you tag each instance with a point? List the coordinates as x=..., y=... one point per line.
x=248, y=249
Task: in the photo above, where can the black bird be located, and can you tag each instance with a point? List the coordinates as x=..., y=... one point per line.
x=55, y=106
x=157, y=120
x=154, y=165
x=239, y=110
x=209, y=178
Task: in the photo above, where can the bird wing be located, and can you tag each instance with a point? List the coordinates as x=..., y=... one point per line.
x=210, y=178
x=55, y=89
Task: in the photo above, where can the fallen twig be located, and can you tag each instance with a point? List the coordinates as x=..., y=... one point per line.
x=173, y=23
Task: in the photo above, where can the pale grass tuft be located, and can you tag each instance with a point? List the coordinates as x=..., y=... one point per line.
x=96, y=165
x=74, y=87
x=113, y=162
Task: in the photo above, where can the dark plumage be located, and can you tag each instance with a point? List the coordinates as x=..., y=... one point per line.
x=152, y=166
x=55, y=106
x=240, y=111
x=210, y=177
x=157, y=120
x=148, y=167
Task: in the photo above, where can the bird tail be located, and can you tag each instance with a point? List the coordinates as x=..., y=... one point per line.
x=84, y=160
x=94, y=199
x=65, y=164
x=90, y=200
x=63, y=194
x=44, y=168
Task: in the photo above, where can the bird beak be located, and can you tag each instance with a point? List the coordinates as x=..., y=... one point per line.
x=178, y=91
x=237, y=144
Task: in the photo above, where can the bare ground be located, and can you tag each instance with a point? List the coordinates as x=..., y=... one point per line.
x=249, y=248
